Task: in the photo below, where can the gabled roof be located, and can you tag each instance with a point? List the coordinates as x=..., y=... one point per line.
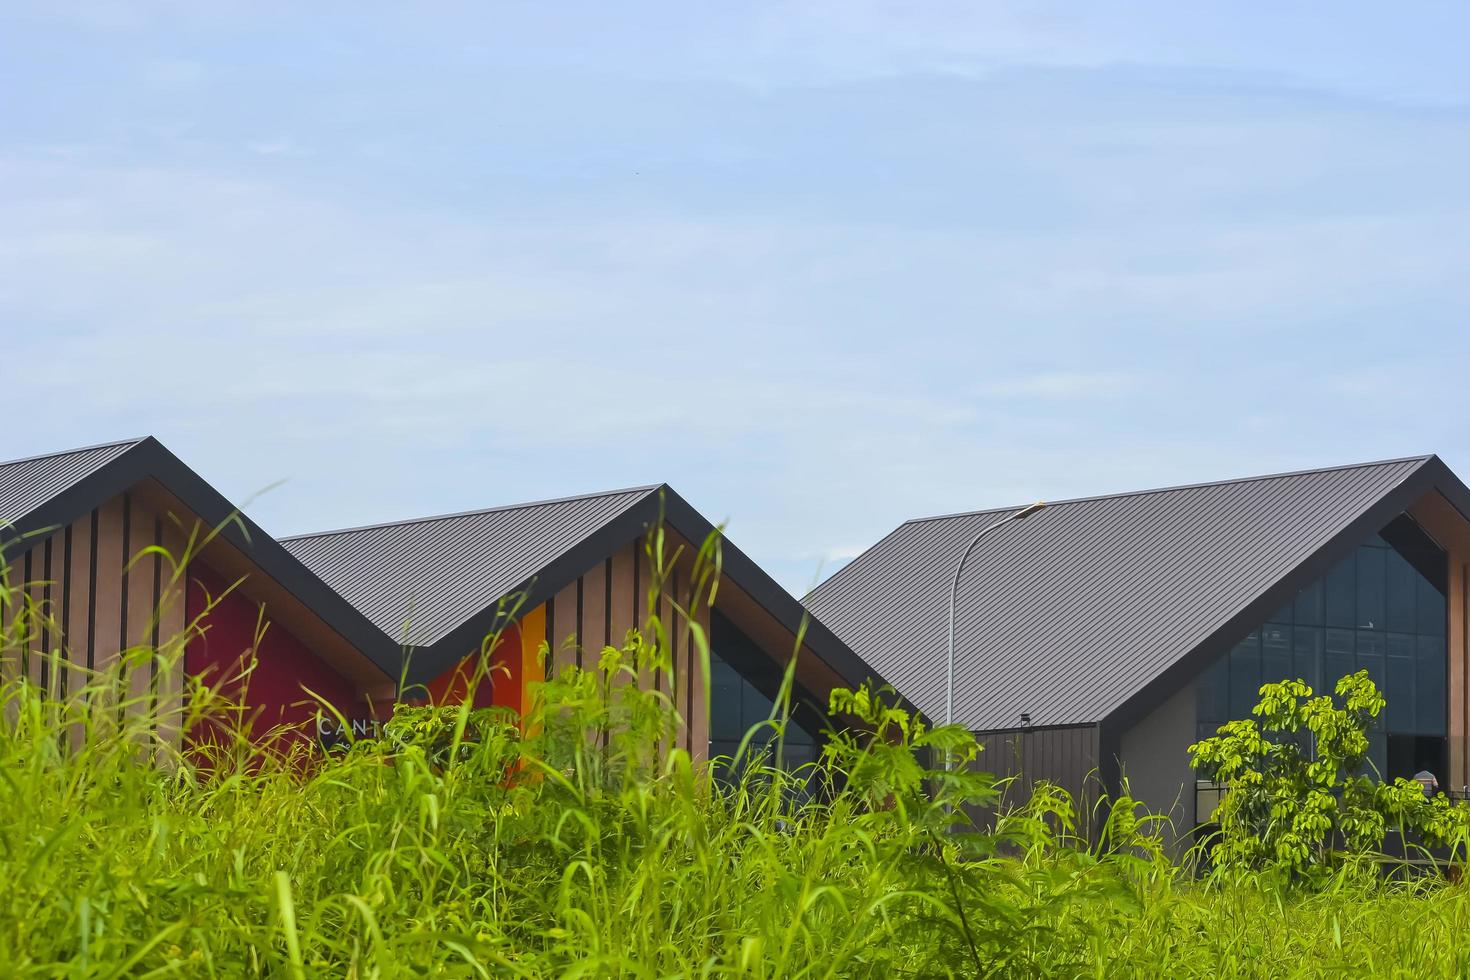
x=434, y=584
x=442, y=579
x=26, y=484
x=1094, y=607
x=47, y=492
x=419, y=579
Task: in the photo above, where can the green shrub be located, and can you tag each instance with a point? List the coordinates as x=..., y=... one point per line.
x=1298, y=795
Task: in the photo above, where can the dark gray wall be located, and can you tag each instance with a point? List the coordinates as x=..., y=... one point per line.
x=1065, y=756
x=1153, y=757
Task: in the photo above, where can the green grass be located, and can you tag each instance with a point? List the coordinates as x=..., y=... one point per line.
x=453, y=846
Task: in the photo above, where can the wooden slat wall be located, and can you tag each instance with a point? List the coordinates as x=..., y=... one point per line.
x=607, y=601
x=561, y=625
x=38, y=587
x=695, y=692
x=78, y=573
x=95, y=603
x=10, y=660
x=140, y=611
x=170, y=632
x=624, y=603
x=1458, y=677
x=108, y=595
x=1065, y=756
x=594, y=634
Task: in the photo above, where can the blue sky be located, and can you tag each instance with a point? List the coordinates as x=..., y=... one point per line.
x=821, y=266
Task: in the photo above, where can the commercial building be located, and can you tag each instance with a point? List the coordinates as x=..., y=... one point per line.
x=1093, y=641
x=95, y=538
x=1099, y=637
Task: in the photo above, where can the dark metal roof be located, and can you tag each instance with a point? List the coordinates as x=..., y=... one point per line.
x=439, y=581
x=418, y=580
x=1071, y=614
x=48, y=492
x=435, y=583
x=26, y=484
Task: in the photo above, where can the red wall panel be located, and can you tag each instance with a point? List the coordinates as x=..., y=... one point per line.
x=274, y=692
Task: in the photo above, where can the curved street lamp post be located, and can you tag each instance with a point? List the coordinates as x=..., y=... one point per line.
x=954, y=587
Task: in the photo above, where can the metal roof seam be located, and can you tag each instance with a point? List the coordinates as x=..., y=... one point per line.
x=432, y=518
x=1085, y=602
x=1422, y=458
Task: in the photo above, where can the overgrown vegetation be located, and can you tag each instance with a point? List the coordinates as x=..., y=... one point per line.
x=1301, y=798
x=458, y=844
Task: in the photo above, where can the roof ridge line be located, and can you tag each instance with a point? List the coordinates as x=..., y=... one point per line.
x=647, y=488
x=79, y=449
x=1423, y=458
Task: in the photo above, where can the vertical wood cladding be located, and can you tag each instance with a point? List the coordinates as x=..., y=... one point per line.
x=1067, y=757
x=96, y=595
x=1460, y=664
x=1449, y=528
x=600, y=607
x=1457, y=611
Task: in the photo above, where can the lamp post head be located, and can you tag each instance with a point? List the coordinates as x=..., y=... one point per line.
x=1025, y=719
x=1028, y=510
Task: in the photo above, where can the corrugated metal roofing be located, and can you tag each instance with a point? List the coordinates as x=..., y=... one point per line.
x=26, y=484
x=1069, y=613
x=417, y=580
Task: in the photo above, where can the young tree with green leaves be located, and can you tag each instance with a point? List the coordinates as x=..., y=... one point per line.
x=1299, y=794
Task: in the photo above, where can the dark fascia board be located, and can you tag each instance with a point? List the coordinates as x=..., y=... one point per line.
x=429, y=662
x=785, y=608
x=1432, y=474
x=1450, y=486
x=661, y=503
x=1014, y=729
x=150, y=459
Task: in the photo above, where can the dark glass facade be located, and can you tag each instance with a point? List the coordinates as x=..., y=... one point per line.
x=743, y=682
x=1382, y=609
x=737, y=705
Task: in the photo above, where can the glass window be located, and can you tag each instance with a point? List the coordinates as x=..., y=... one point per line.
x=723, y=747
x=737, y=705
x=1430, y=702
x=1245, y=676
x=1402, y=579
x=797, y=754
x=1398, y=690
x=1307, y=656
x=1375, y=610
x=1371, y=572
x=1340, y=594
x=1309, y=605
x=1377, y=753
x=1370, y=655
x=1212, y=694
x=726, y=710
x=1339, y=659
x=1400, y=757
x=1430, y=606
x=755, y=707
x=1276, y=664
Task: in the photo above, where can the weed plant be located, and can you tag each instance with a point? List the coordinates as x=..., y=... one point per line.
x=582, y=842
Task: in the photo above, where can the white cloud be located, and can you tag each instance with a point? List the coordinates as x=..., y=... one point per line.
x=173, y=74
x=277, y=148
x=1062, y=385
